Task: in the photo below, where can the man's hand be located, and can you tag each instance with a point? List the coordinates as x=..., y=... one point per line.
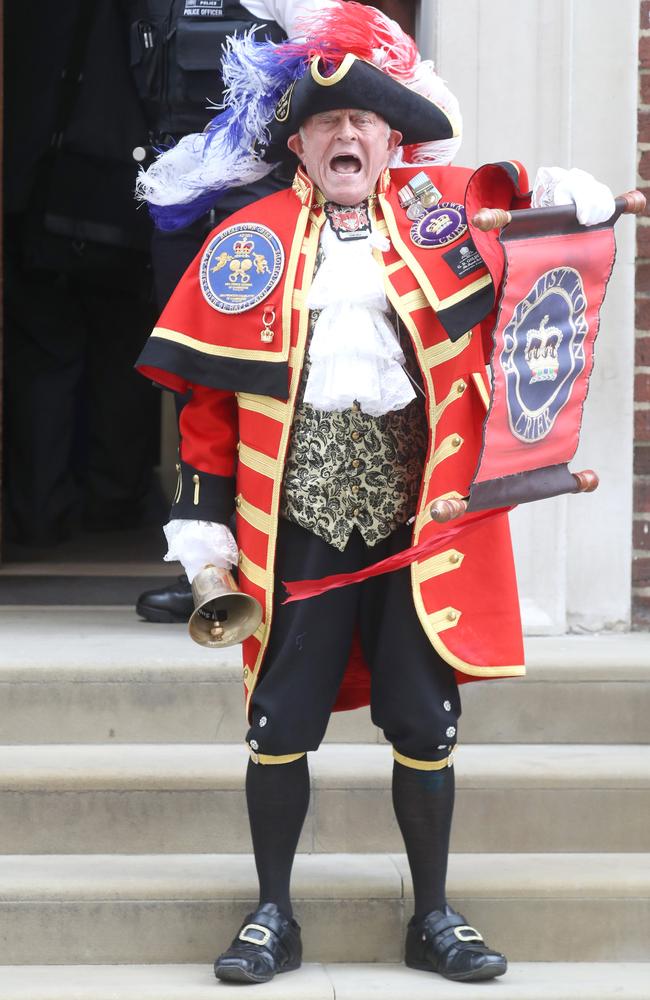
x=594, y=201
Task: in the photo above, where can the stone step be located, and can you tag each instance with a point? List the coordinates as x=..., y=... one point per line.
x=98, y=675
x=523, y=981
x=189, y=798
x=98, y=909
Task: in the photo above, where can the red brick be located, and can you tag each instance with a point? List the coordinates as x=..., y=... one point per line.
x=640, y=613
x=642, y=279
x=641, y=535
x=642, y=425
x=644, y=81
x=644, y=52
x=642, y=317
x=644, y=162
x=643, y=242
x=642, y=460
x=645, y=14
x=643, y=126
x=642, y=387
x=641, y=571
x=642, y=350
x=642, y=495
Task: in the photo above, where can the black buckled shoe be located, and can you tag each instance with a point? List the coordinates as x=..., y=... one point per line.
x=168, y=604
x=443, y=942
x=267, y=942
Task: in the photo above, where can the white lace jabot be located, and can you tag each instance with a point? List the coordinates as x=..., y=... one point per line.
x=354, y=351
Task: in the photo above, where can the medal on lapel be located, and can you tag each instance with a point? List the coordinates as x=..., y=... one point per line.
x=418, y=196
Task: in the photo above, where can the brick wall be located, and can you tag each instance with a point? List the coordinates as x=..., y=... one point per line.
x=641, y=528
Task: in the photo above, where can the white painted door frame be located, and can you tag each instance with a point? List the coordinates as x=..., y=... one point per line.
x=554, y=82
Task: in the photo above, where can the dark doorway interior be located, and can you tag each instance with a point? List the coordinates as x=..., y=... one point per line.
x=80, y=429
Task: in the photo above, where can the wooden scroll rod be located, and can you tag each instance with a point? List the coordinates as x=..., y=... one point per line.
x=632, y=203
x=442, y=511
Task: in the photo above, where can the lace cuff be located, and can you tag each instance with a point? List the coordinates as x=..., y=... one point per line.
x=197, y=543
x=593, y=200
x=544, y=185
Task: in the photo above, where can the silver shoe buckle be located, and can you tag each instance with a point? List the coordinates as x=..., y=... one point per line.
x=466, y=933
x=245, y=935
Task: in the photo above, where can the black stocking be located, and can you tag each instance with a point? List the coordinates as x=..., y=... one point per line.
x=278, y=798
x=424, y=803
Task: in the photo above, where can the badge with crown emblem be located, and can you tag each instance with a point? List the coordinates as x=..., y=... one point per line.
x=543, y=352
x=240, y=267
x=441, y=226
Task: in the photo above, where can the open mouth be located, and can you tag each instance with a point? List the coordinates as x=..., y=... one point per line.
x=346, y=163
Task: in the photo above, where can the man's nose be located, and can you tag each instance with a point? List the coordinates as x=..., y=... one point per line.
x=347, y=129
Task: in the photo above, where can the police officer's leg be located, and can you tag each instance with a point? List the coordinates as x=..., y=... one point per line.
x=171, y=254
x=415, y=701
x=45, y=341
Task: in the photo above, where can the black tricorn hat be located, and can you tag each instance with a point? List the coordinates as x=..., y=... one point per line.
x=360, y=85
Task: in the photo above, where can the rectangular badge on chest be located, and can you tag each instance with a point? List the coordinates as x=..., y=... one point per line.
x=464, y=260
x=203, y=8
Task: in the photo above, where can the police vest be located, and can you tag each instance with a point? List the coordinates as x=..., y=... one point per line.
x=175, y=48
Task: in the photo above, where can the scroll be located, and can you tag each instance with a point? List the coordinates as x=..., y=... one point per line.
x=555, y=274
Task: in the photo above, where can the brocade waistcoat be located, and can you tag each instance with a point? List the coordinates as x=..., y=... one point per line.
x=346, y=469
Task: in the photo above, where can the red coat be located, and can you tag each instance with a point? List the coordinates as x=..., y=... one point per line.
x=239, y=419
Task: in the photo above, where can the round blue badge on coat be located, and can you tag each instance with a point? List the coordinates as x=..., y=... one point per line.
x=444, y=224
x=240, y=267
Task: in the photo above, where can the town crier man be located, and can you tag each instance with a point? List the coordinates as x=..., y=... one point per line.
x=334, y=339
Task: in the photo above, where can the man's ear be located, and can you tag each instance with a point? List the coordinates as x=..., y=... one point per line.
x=394, y=139
x=294, y=142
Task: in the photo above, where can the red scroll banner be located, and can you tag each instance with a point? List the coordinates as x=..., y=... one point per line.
x=556, y=274
x=554, y=282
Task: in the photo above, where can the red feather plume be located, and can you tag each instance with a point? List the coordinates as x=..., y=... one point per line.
x=353, y=27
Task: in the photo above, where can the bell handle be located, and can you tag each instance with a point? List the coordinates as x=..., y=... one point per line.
x=442, y=511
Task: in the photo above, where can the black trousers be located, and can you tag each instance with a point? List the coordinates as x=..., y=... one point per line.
x=414, y=695
x=81, y=424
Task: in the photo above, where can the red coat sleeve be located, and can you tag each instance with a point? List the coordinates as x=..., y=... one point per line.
x=208, y=456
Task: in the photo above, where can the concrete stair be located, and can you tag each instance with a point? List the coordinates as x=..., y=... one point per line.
x=353, y=908
x=100, y=676
x=121, y=775
x=134, y=798
x=524, y=981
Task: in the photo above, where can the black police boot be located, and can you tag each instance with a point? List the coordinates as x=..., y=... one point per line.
x=169, y=604
x=443, y=942
x=267, y=942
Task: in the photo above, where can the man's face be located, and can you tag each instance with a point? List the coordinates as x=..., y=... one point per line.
x=344, y=152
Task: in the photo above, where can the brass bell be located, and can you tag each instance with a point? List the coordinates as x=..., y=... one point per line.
x=222, y=615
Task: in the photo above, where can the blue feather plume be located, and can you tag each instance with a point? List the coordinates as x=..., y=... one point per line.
x=186, y=181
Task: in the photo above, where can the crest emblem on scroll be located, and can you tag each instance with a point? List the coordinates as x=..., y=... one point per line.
x=543, y=352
